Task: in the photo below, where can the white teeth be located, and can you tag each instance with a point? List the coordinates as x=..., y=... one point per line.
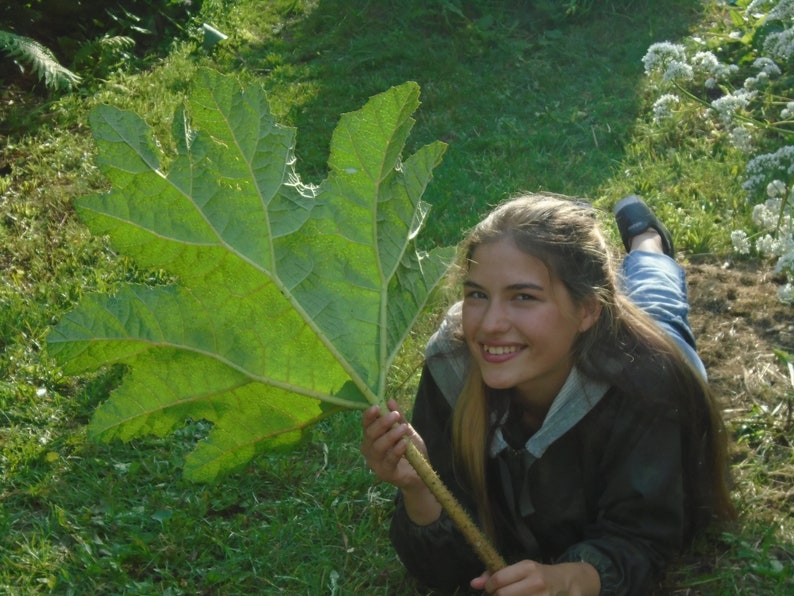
x=499, y=350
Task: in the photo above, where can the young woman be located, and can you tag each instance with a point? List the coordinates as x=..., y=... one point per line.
x=564, y=406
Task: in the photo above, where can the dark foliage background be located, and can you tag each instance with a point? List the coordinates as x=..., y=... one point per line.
x=67, y=26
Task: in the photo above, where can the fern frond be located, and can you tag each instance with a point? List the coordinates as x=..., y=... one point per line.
x=118, y=43
x=97, y=57
x=41, y=60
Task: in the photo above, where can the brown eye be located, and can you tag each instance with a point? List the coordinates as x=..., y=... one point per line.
x=475, y=295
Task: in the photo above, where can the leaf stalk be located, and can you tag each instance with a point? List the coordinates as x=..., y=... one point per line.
x=474, y=536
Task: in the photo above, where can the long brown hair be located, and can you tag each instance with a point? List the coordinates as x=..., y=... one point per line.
x=620, y=348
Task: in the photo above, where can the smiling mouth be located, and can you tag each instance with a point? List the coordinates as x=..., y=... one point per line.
x=500, y=350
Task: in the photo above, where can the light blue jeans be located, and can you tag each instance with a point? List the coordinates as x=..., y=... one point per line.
x=657, y=284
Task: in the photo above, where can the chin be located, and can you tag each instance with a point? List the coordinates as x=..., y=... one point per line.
x=499, y=383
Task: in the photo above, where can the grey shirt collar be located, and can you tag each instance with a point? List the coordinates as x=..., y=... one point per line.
x=579, y=394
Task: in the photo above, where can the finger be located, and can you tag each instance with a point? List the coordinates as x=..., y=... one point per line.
x=383, y=442
x=384, y=454
x=370, y=415
x=391, y=441
x=377, y=424
x=478, y=583
x=374, y=428
x=385, y=423
x=524, y=576
x=394, y=407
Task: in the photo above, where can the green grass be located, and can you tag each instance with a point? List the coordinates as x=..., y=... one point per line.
x=525, y=101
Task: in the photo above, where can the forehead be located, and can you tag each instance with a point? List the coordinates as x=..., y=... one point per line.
x=502, y=259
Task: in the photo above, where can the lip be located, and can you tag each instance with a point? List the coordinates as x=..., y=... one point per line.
x=497, y=353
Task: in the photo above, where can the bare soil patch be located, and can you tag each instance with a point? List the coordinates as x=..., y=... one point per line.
x=739, y=323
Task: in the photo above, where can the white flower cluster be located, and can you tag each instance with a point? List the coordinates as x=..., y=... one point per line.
x=744, y=111
x=709, y=66
x=783, y=11
x=762, y=168
x=785, y=265
x=673, y=64
x=669, y=59
x=742, y=138
x=786, y=293
x=773, y=217
x=741, y=243
x=767, y=68
x=778, y=10
x=728, y=106
x=663, y=107
x=779, y=44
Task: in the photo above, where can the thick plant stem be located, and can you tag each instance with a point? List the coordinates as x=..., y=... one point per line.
x=479, y=541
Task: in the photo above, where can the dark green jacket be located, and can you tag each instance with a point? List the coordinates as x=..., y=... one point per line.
x=607, y=489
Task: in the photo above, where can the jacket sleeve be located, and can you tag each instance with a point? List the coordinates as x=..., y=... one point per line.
x=640, y=522
x=437, y=554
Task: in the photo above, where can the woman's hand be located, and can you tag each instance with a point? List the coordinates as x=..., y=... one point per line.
x=385, y=442
x=528, y=577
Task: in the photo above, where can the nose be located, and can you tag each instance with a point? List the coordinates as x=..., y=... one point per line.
x=495, y=318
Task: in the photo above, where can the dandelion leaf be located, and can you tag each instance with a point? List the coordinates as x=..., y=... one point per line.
x=290, y=301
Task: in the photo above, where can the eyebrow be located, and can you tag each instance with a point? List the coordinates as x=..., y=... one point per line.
x=513, y=287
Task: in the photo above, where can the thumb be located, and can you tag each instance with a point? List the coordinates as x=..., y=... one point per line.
x=478, y=583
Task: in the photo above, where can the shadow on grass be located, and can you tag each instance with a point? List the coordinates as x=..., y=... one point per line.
x=526, y=99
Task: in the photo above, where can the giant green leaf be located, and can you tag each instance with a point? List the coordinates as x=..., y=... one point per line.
x=290, y=300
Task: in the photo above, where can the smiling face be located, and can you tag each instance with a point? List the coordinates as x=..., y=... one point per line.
x=520, y=323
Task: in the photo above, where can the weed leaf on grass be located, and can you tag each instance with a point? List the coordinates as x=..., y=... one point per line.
x=291, y=300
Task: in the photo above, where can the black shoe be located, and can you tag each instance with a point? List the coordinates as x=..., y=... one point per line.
x=633, y=217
